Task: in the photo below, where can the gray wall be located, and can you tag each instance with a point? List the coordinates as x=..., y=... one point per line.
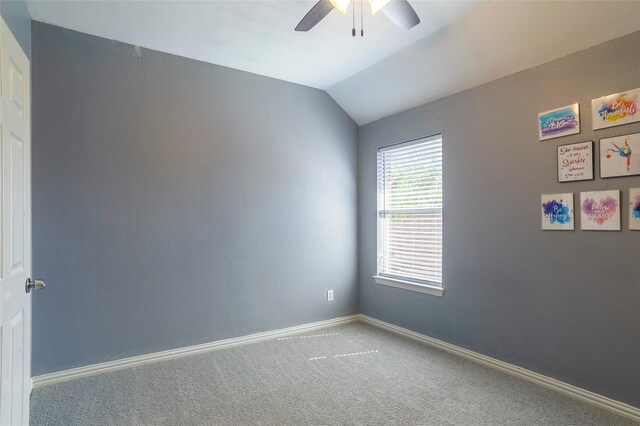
x=15, y=14
x=565, y=304
x=176, y=202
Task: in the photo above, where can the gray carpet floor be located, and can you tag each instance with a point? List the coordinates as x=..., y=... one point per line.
x=352, y=374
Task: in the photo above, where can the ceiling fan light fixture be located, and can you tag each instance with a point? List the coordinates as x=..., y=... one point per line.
x=341, y=5
x=400, y=13
x=377, y=5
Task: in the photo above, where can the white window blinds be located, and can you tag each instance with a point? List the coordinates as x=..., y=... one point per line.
x=410, y=211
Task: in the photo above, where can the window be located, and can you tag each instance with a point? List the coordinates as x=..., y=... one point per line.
x=410, y=215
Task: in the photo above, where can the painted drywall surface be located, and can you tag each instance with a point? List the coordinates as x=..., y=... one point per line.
x=177, y=202
x=565, y=304
x=15, y=14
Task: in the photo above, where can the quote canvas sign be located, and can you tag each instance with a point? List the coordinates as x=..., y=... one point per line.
x=557, y=212
x=615, y=110
x=600, y=210
x=559, y=122
x=575, y=162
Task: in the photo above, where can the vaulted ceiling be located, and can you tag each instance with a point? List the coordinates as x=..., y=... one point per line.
x=458, y=44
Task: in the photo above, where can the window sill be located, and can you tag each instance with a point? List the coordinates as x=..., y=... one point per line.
x=409, y=285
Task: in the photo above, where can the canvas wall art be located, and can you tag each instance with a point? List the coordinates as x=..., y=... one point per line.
x=620, y=156
x=575, y=162
x=559, y=122
x=600, y=210
x=634, y=209
x=557, y=212
x=615, y=110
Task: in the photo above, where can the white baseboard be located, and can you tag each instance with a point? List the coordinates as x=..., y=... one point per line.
x=104, y=367
x=583, y=395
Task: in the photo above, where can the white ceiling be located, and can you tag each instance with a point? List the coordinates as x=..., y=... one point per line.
x=497, y=39
x=254, y=36
x=458, y=44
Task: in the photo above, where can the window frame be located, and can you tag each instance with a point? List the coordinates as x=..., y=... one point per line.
x=391, y=280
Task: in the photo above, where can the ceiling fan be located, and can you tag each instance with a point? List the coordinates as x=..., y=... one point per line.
x=399, y=12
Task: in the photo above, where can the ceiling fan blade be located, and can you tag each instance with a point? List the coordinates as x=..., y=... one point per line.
x=315, y=15
x=401, y=13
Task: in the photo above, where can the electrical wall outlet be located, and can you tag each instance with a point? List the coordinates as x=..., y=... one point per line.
x=329, y=295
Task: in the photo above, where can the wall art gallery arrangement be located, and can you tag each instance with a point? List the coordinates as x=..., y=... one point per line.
x=599, y=210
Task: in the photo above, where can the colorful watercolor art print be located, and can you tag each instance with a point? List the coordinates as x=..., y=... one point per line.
x=634, y=209
x=559, y=122
x=557, y=212
x=600, y=210
x=615, y=110
x=620, y=156
x=575, y=162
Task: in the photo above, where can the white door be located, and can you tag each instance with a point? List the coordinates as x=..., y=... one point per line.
x=15, y=302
